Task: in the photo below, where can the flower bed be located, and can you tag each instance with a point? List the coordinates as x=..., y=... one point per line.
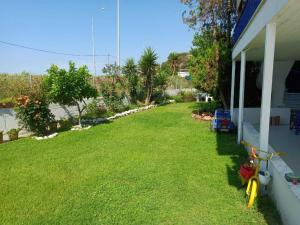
x=205, y=116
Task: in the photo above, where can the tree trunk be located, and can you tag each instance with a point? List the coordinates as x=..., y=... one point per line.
x=149, y=88
x=223, y=99
x=229, y=9
x=79, y=114
x=148, y=96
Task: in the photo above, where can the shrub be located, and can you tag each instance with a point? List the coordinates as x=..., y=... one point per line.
x=113, y=99
x=178, y=98
x=209, y=107
x=160, y=97
x=64, y=125
x=13, y=134
x=187, y=96
x=95, y=110
x=184, y=97
x=115, y=104
x=52, y=127
x=1, y=136
x=34, y=114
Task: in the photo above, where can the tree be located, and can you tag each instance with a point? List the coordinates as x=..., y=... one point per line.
x=131, y=73
x=161, y=79
x=214, y=20
x=111, y=70
x=70, y=87
x=173, y=59
x=147, y=66
x=217, y=15
x=205, y=75
x=166, y=68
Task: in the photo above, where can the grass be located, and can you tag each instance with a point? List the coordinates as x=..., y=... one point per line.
x=154, y=167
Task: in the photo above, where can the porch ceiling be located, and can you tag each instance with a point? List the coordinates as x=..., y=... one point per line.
x=287, y=36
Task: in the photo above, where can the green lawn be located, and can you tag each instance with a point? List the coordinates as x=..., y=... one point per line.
x=154, y=167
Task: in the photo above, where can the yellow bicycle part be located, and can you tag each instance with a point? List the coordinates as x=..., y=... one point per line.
x=253, y=183
x=249, y=185
x=253, y=188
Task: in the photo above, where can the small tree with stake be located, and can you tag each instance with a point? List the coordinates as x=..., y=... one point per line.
x=70, y=87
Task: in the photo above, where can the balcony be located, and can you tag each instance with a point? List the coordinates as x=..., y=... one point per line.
x=246, y=15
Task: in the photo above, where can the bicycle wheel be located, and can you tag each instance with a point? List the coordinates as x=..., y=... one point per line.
x=252, y=193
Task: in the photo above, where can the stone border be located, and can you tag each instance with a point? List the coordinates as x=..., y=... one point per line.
x=78, y=128
x=46, y=137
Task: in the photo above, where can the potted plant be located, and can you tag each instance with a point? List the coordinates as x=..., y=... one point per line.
x=13, y=134
x=1, y=136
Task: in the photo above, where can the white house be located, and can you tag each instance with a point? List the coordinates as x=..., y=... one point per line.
x=183, y=73
x=268, y=31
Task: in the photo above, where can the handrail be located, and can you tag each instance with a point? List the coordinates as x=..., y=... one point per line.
x=255, y=149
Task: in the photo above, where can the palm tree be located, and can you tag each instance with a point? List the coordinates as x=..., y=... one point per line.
x=130, y=71
x=173, y=59
x=174, y=62
x=148, y=66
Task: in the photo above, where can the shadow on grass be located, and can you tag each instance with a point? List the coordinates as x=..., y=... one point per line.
x=226, y=145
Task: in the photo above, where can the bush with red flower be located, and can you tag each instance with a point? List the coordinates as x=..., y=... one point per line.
x=34, y=114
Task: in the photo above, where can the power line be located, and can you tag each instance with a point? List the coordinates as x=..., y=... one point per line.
x=55, y=52
x=49, y=51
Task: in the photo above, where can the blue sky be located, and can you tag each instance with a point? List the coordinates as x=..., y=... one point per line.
x=65, y=26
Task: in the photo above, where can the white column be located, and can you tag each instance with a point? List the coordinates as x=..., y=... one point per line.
x=232, y=88
x=267, y=86
x=241, y=99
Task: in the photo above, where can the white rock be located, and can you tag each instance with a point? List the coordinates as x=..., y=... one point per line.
x=46, y=137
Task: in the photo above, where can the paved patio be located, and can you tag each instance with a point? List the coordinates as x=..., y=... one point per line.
x=284, y=139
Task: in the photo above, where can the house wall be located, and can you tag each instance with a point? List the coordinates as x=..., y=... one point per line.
x=252, y=115
x=174, y=92
x=285, y=195
x=280, y=72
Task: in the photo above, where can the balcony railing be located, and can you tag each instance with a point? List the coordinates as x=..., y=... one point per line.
x=247, y=13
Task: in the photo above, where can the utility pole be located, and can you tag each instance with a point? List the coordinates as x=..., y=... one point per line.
x=118, y=36
x=93, y=42
x=108, y=56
